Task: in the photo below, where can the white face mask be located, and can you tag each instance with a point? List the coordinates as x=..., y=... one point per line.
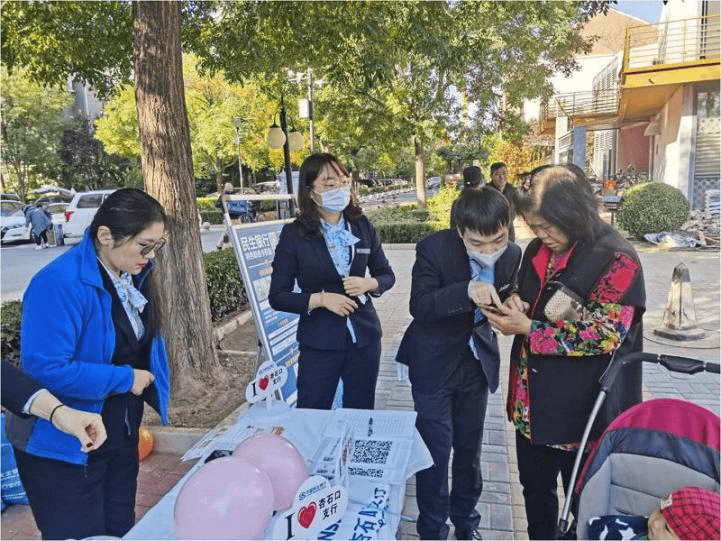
x=335, y=200
x=487, y=260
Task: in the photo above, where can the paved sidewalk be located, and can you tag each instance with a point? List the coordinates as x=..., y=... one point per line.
x=501, y=504
x=158, y=474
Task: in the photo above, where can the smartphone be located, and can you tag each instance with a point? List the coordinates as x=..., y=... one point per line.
x=493, y=309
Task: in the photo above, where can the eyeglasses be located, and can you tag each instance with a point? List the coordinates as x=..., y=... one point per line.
x=327, y=184
x=145, y=249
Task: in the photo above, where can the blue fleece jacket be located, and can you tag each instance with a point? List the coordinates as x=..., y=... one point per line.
x=67, y=343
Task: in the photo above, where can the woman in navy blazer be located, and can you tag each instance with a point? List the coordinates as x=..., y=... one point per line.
x=326, y=252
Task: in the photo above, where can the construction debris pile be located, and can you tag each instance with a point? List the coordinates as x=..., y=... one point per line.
x=703, y=226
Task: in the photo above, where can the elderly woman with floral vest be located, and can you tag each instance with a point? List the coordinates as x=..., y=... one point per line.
x=580, y=300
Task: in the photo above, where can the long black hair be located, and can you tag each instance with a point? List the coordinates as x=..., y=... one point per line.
x=308, y=216
x=127, y=212
x=563, y=197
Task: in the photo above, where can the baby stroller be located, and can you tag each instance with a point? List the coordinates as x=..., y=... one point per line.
x=647, y=452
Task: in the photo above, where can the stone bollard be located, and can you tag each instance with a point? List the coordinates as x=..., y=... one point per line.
x=679, y=316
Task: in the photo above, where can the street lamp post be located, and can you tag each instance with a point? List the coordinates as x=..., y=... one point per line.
x=238, y=121
x=278, y=137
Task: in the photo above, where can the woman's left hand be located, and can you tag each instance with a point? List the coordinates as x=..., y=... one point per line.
x=355, y=286
x=509, y=320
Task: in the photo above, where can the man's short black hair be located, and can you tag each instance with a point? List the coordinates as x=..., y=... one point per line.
x=495, y=166
x=472, y=176
x=484, y=211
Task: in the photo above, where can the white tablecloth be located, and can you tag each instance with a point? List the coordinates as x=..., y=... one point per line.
x=305, y=428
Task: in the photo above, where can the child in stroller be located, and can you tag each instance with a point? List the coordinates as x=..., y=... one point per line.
x=687, y=513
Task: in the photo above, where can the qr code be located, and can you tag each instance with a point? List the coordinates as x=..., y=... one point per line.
x=366, y=472
x=371, y=451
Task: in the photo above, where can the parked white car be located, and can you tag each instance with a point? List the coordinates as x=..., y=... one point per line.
x=81, y=211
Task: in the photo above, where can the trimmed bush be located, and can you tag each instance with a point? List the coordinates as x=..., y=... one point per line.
x=389, y=215
x=652, y=207
x=404, y=232
x=225, y=286
x=206, y=203
x=212, y=216
x=10, y=331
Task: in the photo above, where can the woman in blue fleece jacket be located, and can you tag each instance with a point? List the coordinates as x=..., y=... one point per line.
x=91, y=335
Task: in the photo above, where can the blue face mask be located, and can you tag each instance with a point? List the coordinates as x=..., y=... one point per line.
x=335, y=200
x=487, y=260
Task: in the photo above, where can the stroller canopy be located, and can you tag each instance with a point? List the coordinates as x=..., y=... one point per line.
x=648, y=451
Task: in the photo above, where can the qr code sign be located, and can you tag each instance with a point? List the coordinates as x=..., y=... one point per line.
x=371, y=451
x=366, y=472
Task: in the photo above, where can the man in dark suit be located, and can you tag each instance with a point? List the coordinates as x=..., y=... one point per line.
x=452, y=353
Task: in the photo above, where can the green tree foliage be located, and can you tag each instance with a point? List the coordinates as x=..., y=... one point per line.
x=86, y=166
x=517, y=157
x=31, y=129
x=398, y=69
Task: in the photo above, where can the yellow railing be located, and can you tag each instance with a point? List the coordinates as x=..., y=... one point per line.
x=672, y=42
x=576, y=104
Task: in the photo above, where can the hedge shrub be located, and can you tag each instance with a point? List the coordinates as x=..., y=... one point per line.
x=225, y=288
x=206, y=203
x=404, y=232
x=400, y=214
x=10, y=331
x=212, y=216
x=652, y=207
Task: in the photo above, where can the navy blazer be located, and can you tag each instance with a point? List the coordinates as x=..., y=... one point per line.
x=436, y=341
x=306, y=259
x=17, y=388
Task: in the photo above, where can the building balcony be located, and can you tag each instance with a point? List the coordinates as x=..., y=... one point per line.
x=685, y=51
x=658, y=59
x=596, y=109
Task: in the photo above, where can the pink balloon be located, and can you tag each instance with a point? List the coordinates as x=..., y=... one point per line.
x=277, y=457
x=225, y=499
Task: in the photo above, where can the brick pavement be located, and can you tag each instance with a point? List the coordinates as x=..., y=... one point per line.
x=158, y=473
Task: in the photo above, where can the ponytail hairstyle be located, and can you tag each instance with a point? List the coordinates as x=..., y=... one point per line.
x=127, y=212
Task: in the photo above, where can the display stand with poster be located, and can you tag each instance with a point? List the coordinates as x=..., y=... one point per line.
x=254, y=245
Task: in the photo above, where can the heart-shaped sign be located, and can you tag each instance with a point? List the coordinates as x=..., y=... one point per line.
x=269, y=379
x=306, y=515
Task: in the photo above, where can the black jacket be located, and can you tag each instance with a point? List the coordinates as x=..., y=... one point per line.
x=437, y=339
x=17, y=388
x=562, y=388
x=307, y=260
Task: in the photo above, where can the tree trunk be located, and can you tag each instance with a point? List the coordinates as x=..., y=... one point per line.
x=219, y=176
x=168, y=174
x=420, y=173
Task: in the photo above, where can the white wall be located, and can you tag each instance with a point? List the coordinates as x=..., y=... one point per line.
x=681, y=9
x=673, y=147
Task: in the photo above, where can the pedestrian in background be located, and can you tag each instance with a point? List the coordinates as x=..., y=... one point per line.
x=91, y=335
x=39, y=221
x=327, y=251
x=499, y=181
x=228, y=190
x=453, y=355
x=472, y=180
x=580, y=300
